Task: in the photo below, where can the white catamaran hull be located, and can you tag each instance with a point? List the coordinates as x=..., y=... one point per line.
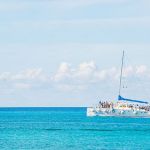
x=116, y=112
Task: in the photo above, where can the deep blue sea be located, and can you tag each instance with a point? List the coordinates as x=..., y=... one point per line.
x=70, y=129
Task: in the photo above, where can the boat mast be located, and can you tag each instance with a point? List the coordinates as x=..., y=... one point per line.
x=121, y=73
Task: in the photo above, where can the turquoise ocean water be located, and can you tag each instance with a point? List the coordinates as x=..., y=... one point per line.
x=70, y=129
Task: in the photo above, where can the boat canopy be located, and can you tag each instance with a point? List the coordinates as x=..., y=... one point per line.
x=120, y=98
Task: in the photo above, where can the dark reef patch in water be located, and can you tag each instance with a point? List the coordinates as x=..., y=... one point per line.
x=53, y=129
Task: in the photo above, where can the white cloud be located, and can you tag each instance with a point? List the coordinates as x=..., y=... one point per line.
x=112, y=73
x=141, y=69
x=69, y=78
x=30, y=74
x=63, y=72
x=5, y=76
x=88, y=72
x=26, y=79
x=85, y=71
x=128, y=71
x=64, y=68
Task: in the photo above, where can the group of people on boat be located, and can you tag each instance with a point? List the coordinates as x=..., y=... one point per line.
x=147, y=108
x=107, y=104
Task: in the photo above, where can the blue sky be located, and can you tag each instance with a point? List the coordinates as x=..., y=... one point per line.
x=67, y=53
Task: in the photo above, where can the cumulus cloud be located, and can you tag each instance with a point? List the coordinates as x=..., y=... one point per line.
x=63, y=72
x=88, y=71
x=69, y=78
x=5, y=76
x=142, y=69
x=29, y=74
x=85, y=70
x=80, y=77
x=25, y=79
x=128, y=71
x=104, y=74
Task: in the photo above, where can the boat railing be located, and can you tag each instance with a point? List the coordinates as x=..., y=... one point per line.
x=110, y=105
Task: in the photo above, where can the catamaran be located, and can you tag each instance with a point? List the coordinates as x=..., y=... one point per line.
x=123, y=107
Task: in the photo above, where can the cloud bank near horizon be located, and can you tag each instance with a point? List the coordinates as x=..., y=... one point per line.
x=68, y=78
